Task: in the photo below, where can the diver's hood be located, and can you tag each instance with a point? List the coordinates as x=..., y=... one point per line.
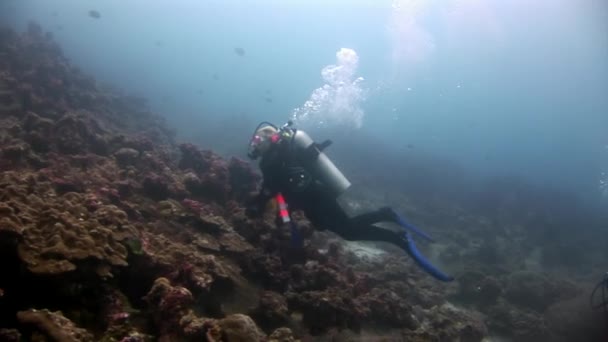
x=257, y=140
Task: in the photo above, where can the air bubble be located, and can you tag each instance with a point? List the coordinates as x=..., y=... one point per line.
x=338, y=101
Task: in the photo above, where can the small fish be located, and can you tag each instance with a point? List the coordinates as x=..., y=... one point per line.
x=94, y=14
x=200, y=92
x=410, y=145
x=216, y=77
x=239, y=51
x=158, y=43
x=268, y=99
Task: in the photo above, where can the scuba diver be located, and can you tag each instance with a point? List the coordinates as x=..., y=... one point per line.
x=297, y=173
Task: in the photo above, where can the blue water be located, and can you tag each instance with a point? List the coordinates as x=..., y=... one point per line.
x=497, y=87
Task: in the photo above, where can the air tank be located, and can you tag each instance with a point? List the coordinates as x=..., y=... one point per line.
x=321, y=167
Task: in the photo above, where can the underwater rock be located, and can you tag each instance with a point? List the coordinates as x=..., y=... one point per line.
x=54, y=325
x=572, y=320
x=156, y=187
x=243, y=180
x=168, y=305
x=11, y=226
x=16, y=152
x=77, y=133
x=489, y=290
x=272, y=311
x=126, y=156
x=140, y=143
x=199, y=276
x=239, y=327
x=38, y=132
x=322, y=310
x=195, y=159
x=117, y=314
x=268, y=269
x=522, y=325
x=10, y=335
x=235, y=245
x=193, y=184
x=527, y=326
x=446, y=323
x=210, y=178
x=9, y=103
x=60, y=235
x=536, y=291
x=387, y=308
x=195, y=328
x=478, y=289
x=282, y=335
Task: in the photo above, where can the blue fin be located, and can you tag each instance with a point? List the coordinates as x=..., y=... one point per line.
x=402, y=222
x=423, y=262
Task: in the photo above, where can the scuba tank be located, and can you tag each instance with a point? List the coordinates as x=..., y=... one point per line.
x=320, y=165
x=308, y=152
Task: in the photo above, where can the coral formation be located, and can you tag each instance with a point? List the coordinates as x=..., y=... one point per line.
x=53, y=325
x=239, y=327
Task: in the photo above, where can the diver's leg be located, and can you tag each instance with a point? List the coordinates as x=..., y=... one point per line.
x=384, y=214
x=388, y=214
x=354, y=231
x=402, y=240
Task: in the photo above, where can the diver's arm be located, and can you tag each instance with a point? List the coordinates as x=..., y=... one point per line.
x=256, y=205
x=266, y=194
x=269, y=187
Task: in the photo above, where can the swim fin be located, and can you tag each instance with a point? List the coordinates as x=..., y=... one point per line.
x=425, y=264
x=403, y=223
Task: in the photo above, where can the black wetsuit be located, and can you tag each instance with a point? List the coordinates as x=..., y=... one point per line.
x=284, y=170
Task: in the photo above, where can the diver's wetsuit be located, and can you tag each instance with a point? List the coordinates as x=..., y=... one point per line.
x=284, y=171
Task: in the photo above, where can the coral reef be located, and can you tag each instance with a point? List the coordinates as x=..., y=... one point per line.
x=53, y=325
x=239, y=327
x=112, y=231
x=272, y=310
x=571, y=320
x=57, y=236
